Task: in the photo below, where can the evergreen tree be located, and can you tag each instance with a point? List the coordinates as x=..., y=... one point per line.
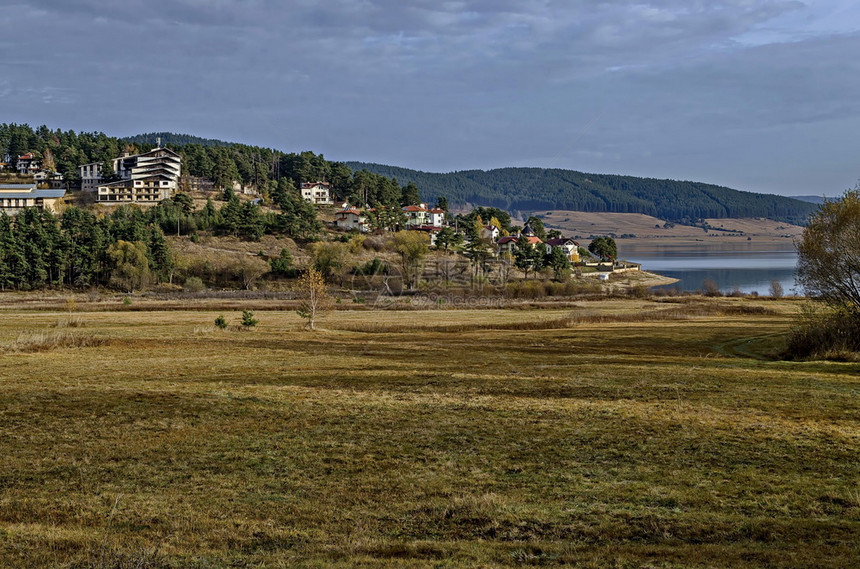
x=250, y=222
x=604, y=248
x=409, y=195
x=160, y=261
x=559, y=263
x=526, y=257
x=231, y=216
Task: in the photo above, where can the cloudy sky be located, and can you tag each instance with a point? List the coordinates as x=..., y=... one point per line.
x=760, y=95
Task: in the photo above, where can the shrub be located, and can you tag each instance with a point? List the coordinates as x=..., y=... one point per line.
x=30, y=342
x=711, y=288
x=193, y=284
x=356, y=243
x=374, y=244
x=825, y=333
x=776, y=290
x=221, y=322
x=372, y=267
x=248, y=320
x=282, y=266
x=638, y=291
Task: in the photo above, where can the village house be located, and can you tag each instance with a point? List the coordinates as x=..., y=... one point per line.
x=436, y=217
x=508, y=243
x=27, y=164
x=569, y=246
x=420, y=216
x=489, y=233
x=318, y=193
x=416, y=215
x=52, y=179
x=350, y=219
x=15, y=197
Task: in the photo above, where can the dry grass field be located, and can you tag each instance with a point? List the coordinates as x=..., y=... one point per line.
x=616, y=433
x=650, y=231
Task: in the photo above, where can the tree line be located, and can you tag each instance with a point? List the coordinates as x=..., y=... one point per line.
x=271, y=172
x=80, y=248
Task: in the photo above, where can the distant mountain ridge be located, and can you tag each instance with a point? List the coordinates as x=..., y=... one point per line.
x=541, y=189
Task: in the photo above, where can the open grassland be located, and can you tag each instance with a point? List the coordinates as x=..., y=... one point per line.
x=621, y=433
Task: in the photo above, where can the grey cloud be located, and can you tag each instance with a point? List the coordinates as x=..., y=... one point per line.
x=639, y=86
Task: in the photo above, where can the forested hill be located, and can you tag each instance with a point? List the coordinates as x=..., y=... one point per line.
x=173, y=139
x=536, y=189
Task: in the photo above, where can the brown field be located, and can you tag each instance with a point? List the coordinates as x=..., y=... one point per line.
x=650, y=232
x=614, y=433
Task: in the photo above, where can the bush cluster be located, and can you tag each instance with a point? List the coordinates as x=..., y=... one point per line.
x=825, y=333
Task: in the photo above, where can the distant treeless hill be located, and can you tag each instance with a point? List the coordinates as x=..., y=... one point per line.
x=813, y=199
x=546, y=189
x=582, y=225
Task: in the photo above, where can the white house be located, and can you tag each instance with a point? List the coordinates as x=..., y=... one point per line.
x=436, y=217
x=422, y=216
x=318, y=193
x=53, y=179
x=27, y=164
x=416, y=215
x=489, y=233
x=569, y=246
x=351, y=219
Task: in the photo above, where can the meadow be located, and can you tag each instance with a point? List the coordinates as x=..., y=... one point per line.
x=607, y=433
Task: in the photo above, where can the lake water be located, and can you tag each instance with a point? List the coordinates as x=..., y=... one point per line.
x=746, y=269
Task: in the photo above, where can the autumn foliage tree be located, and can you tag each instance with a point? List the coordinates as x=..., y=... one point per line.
x=130, y=265
x=412, y=246
x=828, y=264
x=315, y=299
x=828, y=268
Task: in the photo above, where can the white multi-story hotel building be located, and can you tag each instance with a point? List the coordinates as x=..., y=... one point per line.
x=149, y=177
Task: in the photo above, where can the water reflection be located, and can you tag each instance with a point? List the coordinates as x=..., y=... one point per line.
x=747, y=271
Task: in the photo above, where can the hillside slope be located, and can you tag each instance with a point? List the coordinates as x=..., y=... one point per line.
x=538, y=189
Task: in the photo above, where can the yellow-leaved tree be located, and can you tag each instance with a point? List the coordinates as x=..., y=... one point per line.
x=315, y=299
